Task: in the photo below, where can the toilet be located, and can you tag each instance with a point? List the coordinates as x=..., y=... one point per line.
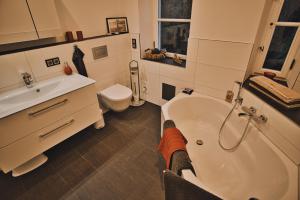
x=116, y=97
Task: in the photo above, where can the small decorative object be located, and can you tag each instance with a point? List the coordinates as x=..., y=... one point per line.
x=155, y=54
x=79, y=35
x=188, y=91
x=69, y=36
x=229, y=96
x=270, y=75
x=67, y=69
x=177, y=59
x=117, y=25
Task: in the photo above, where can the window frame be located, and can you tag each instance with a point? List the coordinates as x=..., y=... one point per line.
x=265, y=42
x=157, y=30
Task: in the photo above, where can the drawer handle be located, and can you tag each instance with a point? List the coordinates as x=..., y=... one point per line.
x=33, y=114
x=56, y=129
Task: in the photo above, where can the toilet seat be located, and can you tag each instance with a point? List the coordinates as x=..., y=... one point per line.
x=116, y=92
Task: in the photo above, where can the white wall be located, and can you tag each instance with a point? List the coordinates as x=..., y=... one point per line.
x=146, y=24
x=106, y=71
x=279, y=129
x=88, y=16
x=232, y=20
x=219, y=48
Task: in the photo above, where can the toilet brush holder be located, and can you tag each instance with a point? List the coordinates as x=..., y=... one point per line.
x=135, y=83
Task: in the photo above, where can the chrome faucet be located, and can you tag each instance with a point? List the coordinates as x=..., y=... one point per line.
x=28, y=80
x=251, y=113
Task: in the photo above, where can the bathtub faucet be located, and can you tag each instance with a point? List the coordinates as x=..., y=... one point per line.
x=251, y=113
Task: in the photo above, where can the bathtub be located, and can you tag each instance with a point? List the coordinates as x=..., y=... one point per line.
x=256, y=169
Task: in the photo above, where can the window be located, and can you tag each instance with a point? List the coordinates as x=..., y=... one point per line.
x=281, y=39
x=174, y=17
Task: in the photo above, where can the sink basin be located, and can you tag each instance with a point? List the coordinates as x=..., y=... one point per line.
x=22, y=98
x=28, y=94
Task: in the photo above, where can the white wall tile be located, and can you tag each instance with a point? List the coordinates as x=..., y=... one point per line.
x=225, y=54
x=135, y=55
x=232, y=20
x=180, y=85
x=217, y=77
x=289, y=130
x=152, y=88
x=36, y=59
x=250, y=99
x=179, y=73
x=124, y=79
x=86, y=48
x=213, y=92
x=11, y=66
x=280, y=130
x=150, y=67
x=123, y=60
x=192, y=51
x=101, y=69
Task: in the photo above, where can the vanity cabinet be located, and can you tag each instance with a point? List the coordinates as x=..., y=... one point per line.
x=15, y=22
x=29, y=133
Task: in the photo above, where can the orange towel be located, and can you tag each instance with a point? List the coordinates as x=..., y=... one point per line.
x=172, y=141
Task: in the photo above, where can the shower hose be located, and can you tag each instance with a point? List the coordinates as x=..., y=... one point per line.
x=234, y=147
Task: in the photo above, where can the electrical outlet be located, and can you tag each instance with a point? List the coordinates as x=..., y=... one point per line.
x=52, y=62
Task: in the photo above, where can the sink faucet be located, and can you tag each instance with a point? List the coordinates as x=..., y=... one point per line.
x=251, y=112
x=28, y=80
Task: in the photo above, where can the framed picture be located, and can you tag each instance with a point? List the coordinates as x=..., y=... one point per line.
x=117, y=25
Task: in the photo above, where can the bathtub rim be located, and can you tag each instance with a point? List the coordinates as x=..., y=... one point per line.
x=291, y=167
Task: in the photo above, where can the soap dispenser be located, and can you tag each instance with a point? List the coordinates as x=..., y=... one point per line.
x=67, y=69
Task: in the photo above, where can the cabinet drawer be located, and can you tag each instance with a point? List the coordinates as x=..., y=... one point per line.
x=36, y=143
x=19, y=125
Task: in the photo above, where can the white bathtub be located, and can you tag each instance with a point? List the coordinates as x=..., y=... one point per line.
x=256, y=169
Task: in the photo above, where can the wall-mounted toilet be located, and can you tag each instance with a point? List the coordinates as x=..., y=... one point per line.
x=116, y=97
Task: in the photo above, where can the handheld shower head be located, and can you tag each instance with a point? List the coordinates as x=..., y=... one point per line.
x=239, y=83
x=239, y=99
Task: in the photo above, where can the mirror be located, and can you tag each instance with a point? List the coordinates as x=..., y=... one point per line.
x=28, y=23
x=15, y=22
x=25, y=24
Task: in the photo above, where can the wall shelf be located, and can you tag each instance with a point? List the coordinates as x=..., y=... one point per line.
x=37, y=44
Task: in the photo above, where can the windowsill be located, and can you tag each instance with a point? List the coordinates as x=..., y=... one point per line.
x=168, y=61
x=292, y=114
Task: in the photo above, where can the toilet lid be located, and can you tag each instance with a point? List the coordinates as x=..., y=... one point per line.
x=116, y=92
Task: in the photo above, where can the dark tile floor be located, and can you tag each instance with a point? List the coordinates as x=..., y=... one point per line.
x=117, y=162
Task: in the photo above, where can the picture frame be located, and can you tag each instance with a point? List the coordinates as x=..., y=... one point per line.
x=117, y=25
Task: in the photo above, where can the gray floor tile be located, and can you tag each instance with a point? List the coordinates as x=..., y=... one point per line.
x=117, y=162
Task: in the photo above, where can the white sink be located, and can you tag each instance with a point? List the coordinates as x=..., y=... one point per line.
x=19, y=99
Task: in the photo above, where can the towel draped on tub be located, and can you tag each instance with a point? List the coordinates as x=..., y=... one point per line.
x=173, y=149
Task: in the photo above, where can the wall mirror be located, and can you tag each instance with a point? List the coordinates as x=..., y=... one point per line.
x=29, y=23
